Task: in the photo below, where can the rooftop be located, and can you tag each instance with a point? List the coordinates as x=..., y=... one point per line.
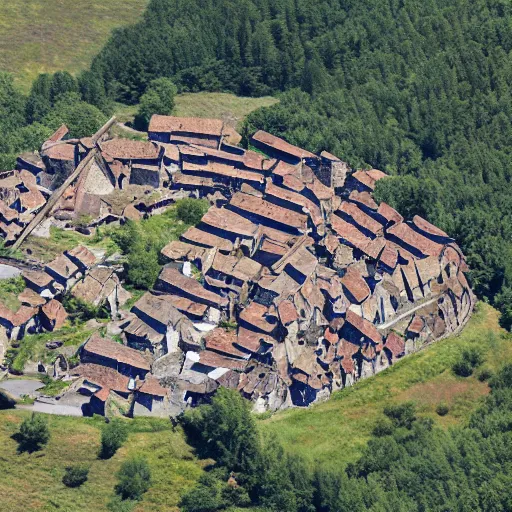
x=198, y=125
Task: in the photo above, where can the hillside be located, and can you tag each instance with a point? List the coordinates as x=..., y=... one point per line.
x=336, y=431
x=330, y=434
x=40, y=36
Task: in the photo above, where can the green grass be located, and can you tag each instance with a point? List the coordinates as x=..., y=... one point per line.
x=217, y=105
x=38, y=36
x=33, y=347
x=9, y=291
x=335, y=432
x=34, y=481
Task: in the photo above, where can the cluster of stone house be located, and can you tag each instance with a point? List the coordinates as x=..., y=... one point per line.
x=294, y=284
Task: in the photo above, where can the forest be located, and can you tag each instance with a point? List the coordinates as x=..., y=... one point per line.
x=408, y=465
x=419, y=89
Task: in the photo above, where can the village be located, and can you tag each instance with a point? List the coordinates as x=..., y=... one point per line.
x=294, y=284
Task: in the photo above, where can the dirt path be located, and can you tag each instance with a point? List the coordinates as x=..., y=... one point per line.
x=392, y=322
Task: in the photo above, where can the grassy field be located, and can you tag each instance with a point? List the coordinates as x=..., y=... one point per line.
x=334, y=432
x=38, y=36
x=218, y=105
x=34, y=481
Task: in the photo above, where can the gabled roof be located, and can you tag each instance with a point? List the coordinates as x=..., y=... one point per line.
x=126, y=149
x=151, y=386
x=198, y=125
x=360, y=217
x=355, y=285
x=83, y=255
x=369, y=178
x=61, y=152
x=364, y=198
x=112, y=350
x=404, y=233
x=63, y=266
x=37, y=277
x=395, y=344
x=104, y=377
x=287, y=312
x=256, y=314
x=30, y=298
x=427, y=228
x=390, y=214
x=227, y=220
x=264, y=209
x=190, y=287
x=281, y=145
x=365, y=327
x=220, y=340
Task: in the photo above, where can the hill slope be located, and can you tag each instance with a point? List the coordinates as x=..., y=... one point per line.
x=336, y=431
x=40, y=36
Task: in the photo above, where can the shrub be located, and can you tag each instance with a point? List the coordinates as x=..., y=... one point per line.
x=383, y=427
x=116, y=504
x=75, y=476
x=191, y=210
x=485, y=374
x=112, y=438
x=134, y=479
x=442, y=409
x=33, y=434
x=6, y=402
x=158, y=99
x=401, y=415
x=469, y=360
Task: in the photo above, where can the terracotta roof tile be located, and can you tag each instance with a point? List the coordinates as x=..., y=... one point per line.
x=360, y=218
x=365, y=327
x=151, y=386
x=63, y=266
x=198, y=125
x=184, y=285
x=214, y=360
x=55, y=312
x=395, y=344
x=126, y=149
x=390, y=214
x=229, y=221
x=416, y=325
x=30, y=298
x=364, y=198
x=256, y=314
x=355, y=285
x=369, y=178
x=39, y=278
x=281, y=145
x=428, y=228
x=220, y=340
x=264, y=209
x=112, y=350
x=83, y=255
x=287, y=312
x=405, y=234
x=102, y=376
x=61, y=152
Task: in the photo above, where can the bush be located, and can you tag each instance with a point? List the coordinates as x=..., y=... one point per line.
x=469, y=360
x=401, y=415
x=485, y=374
x=112, y=438
x=116, y=504
x=158, y=99
x=75, y=476
x=134, y=479
x=442, y=409
x=6, y=402
x=191, y=210
x=383, y=427
x=33, y=434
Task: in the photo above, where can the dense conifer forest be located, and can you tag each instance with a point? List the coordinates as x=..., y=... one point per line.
x=420, y=89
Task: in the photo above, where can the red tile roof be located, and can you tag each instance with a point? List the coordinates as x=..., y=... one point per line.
x=354, y=237
x=220, y=340
x=222, y=170
x=427, y=227
x=356, y=285
x=281, y=145
x=37, y=277
x=198, y=125
x=61, y=152
x=30, y=298
x=406, y=234
x=55, y=312
x=364, y=198
x=229, y=221
x=202, y=238
x=59, y=134
x=390, y=214
x=365, y=327
x=369, y=178
x=287, y=312
x=416, y=325
x=395, y=344
x=361, y=218
x=270, y=211
x=103, y=376
x=20, y=317
x=83, y=255
x=214, y=360
x=120, y=353
x=126, y=149
x=255, y=314
x=190, y=286
x=151, y=386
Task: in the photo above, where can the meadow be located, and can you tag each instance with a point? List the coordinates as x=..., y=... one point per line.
x=40, y=36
